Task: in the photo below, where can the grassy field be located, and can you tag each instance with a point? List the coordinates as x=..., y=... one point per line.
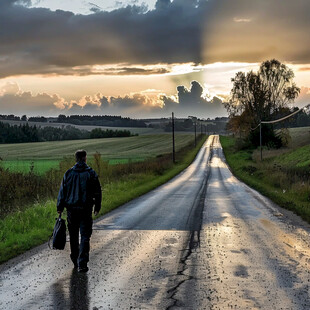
x=40, y=166
x=22, y=230
x=45, y=155
x=284, y=178
x=299, y=137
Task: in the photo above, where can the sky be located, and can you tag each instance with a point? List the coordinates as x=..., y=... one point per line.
x=136, y=58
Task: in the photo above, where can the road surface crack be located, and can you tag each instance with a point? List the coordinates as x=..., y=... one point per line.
x=195, y=224
x=194, y=243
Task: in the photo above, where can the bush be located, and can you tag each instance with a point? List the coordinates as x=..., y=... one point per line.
x=269, y=137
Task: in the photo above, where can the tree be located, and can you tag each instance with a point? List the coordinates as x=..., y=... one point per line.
x=260, y=96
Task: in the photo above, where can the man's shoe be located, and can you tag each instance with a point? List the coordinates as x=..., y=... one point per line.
x=83, y=269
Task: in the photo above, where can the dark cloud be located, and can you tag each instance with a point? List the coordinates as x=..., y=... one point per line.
x=192, y=102
x=37, y=40
x=170, y=104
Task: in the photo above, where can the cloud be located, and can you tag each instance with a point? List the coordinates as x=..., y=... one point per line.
x=41, y=41
x=242, y=20
x=10, y=88
x=147, y=103
x=15, y=101
x=193, y=102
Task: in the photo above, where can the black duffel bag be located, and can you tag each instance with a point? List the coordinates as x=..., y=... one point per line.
x=59, y=234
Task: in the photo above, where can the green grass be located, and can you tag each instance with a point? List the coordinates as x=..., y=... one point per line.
x=299, y=157
x=284, y=179
x=40, y=166
x=299, y=137
x=25, y=229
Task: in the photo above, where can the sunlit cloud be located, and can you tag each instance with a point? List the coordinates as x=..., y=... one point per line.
x=304, y=69
x=149, y=102
x=242, y=20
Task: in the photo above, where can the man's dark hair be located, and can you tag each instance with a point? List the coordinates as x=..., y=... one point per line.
x=80, y=155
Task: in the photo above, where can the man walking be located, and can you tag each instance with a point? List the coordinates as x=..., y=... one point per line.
x=80, y=190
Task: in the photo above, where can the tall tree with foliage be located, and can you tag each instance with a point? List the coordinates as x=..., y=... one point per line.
x=260, y=96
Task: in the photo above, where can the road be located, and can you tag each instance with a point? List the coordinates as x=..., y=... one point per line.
x=204, y=240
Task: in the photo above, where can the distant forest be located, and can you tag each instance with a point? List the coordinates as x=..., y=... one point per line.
x=25, y=133
x=217, y=125
x=95, y=120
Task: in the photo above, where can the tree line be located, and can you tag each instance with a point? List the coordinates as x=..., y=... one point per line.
x=264, y=96
x=94, y=120
x=25, y=133
x=101, y=120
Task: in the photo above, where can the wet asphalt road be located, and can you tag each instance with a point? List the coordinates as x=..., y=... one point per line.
x=204, y=240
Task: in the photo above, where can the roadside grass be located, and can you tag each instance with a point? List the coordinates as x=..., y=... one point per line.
x=22, y=230
x=285, y=179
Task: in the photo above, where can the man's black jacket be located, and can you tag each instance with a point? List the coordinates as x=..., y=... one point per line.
x=80, y=188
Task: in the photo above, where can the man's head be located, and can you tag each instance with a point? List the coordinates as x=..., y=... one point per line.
x=80, y=155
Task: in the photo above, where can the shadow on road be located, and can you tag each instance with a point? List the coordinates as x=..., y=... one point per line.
x=78, y=297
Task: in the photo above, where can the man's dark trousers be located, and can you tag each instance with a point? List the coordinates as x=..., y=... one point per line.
x=79, y=220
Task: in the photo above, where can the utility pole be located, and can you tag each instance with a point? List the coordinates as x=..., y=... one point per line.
x=260, y=141
x=195, y=134
x=173, y=140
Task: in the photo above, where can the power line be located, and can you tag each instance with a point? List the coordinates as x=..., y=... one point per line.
x=272, y=122
x=285, y=117
x=282, y=118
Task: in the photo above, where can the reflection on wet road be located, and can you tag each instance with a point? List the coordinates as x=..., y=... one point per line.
x=255, y=258
x=202, y=241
